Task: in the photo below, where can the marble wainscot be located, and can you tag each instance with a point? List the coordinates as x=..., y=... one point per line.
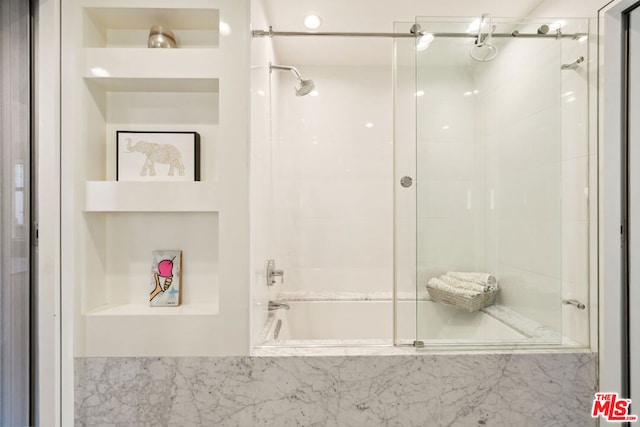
x=470, y=389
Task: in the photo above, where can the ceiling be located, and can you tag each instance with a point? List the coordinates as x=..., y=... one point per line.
x=366, y=16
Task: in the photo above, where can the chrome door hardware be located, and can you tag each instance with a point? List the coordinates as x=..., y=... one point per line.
x=406, y=181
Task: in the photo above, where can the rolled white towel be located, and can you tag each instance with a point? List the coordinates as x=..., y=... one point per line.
x=487, y=280
x=439, y=284
x=462, y=284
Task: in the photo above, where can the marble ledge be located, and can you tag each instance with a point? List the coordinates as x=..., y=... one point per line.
x=349, y=296
x=402, y=390
x=333, y=348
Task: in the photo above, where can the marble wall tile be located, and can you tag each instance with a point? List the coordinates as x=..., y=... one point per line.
x=403, y=390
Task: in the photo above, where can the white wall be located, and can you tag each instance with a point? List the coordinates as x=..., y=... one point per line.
x=537, y=158
x=334, y=200
x=51, y=385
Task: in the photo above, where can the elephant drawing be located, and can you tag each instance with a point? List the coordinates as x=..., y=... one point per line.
x=166, y=154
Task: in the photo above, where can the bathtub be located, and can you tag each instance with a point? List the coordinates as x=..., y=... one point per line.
x=352, y=323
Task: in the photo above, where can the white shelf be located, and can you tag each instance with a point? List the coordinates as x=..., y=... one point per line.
x=141, y=63
x=146, y=310
x=131, y=196
x=155, y=85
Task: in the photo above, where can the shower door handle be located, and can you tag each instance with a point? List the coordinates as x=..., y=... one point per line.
x=406, y=181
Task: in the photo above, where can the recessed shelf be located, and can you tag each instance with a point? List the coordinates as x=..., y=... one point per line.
x=168, y=85
x=126, y=27
x=133, y=196
x=152, y=63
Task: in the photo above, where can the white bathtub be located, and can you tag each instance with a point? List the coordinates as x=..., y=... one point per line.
x=313, y=323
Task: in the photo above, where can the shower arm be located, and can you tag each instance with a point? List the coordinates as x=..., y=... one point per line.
x=480, y=39
x=294, y=70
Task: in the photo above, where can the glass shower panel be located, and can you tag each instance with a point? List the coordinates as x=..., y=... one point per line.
x=491, y=154
x=405, y=197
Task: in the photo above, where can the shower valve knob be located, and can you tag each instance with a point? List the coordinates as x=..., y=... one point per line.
x=272, y=273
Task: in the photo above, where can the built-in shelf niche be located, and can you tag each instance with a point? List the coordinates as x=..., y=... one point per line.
x=114, y=82
x=156, y=84
x=115, y=27
x=118, y=261
x=144, y=63
x=112, y=105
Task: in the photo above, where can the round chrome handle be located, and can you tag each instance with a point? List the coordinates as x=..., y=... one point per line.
x=406, y=181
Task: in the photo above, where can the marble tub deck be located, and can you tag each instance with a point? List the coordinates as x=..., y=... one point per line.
x=410, y=389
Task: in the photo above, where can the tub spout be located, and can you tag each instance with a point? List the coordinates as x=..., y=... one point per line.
x=274, y=305
x=575, y=302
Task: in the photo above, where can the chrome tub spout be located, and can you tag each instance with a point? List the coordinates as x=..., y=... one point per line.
x=274, y=305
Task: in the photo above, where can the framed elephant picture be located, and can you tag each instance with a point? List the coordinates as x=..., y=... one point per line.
x=158, y=156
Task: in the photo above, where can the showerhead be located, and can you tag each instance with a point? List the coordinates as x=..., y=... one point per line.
x=304, y=86
x=483, y=50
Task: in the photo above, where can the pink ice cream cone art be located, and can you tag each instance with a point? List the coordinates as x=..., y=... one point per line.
x=166, y=278
x=165, y=270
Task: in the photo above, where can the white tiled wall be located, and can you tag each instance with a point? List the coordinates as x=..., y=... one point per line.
x=523, y=131
x=333, y=180
x=503, y=173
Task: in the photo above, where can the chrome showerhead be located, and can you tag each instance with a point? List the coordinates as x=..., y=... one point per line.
x=483, y=50
x=304, y=86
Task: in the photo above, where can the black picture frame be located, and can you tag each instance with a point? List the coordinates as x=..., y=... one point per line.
x=157, y=155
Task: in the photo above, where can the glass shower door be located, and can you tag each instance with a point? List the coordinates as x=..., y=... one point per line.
x=499, y=105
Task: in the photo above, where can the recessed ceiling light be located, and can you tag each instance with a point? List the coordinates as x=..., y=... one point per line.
x=312, y=21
